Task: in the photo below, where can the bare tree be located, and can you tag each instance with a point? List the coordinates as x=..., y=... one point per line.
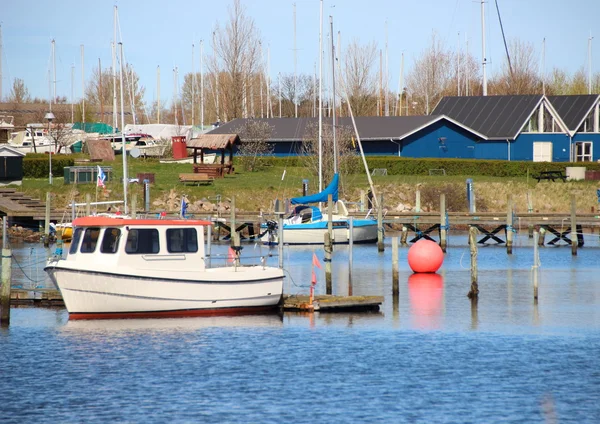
x=304, y=96
x=522, y=77
x=18, y=92
x=558, y=83
x=360, y=77
x=254, y=135
x=237, y=54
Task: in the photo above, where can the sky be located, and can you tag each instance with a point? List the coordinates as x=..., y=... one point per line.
x=161, y=33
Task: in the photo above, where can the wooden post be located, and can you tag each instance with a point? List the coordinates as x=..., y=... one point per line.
x=134, y=205
x=280, y=238
x=88, y=204
x=404, y=235
x=529, y=211
x=443, y=223
x=542, y=236
x=395, y=274
x=47, y=219
x=380, y=245
x=536, y=263
x=232, y=222
x=474, y=292
x=573, y=225
x=363, y=200
x=509, y=224
x=6, y=277
x=327, y=246
x=350, y=254
x=418, y=200
x=330, y=218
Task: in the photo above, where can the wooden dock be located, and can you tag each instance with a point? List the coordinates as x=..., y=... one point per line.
x=15, y=204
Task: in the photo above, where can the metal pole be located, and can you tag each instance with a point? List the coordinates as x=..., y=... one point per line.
x=124, y=149
x=6, y=277
x=47, y=220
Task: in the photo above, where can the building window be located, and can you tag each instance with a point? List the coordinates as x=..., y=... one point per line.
x=142, y=241
x=182, y=240
x=110, y=241
x=583, y=151
x=90, y=240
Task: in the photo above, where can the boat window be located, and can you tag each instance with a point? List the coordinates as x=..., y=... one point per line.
x=182, y=240
x=142, y=241
x=90, y=239
x=110, y=241
x=75, y=240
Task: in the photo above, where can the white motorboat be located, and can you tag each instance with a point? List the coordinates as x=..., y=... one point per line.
x=142, y=268
x=308, y=224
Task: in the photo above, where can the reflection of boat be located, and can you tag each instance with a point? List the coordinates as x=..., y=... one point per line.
x=308, y=225
x=130, y=268
x=426, y=292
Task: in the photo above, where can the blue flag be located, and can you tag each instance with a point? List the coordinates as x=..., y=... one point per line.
x=184, y=205
x=101, y=177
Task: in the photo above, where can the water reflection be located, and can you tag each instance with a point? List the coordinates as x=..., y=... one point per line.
x=426, y=293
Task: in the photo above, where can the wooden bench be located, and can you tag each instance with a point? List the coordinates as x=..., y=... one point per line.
x=551, y=175
x=196, y=178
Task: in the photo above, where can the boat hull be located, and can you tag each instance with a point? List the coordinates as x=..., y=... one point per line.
x=94, y=294
x=314, y=233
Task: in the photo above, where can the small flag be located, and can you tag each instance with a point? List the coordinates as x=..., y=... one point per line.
x=101, y=177
x=314, y=278
x=231, y=256
x=315, y=261
x=184, y=205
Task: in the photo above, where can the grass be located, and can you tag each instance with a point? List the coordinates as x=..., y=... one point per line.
x=258, y=190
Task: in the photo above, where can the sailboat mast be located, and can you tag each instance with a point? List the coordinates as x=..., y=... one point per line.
x=0, y=62
x=333, y=94
x=321, y=98
x=400, y=88
x=82, y=87
x=193, y=86
x=54, y=69
x=72, y=90
x=201, y=84
x=590, y=64
x=124, y=148
x=484, y=60
x=114, y=66
x=158, y=94
x=295, y=69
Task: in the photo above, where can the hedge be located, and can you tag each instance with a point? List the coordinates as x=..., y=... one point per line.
x=38, y=165
x=422, y=166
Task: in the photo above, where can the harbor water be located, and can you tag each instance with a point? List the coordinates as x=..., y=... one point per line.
x=428, y=356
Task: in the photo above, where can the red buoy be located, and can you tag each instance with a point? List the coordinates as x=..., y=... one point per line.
x=426, y=293
x=425, y=256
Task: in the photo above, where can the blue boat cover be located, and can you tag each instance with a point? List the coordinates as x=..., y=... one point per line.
x=332, y=189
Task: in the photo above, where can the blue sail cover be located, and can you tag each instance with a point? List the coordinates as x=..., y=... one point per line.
x=332, y=189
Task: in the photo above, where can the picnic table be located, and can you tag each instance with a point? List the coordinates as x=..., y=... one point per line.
x=196, y=178
x=551, y=175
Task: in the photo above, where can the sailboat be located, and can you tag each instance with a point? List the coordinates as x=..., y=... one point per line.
x=307, y=224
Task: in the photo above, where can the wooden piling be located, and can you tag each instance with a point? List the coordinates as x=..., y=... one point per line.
x=6, y=277
x=509, y=225
x=443, y=223
x=404, y=235
x=47, y=220
x=330, y=217
x=327, y=247
x=232, y=222
x=474, y=292
x=395, y=273
x=380, y=245
x=350, y=254
x=88, y=204
x=529, y=211
x=208, y=252
x=542, y=236
x=363, y=200
x=134, y=205
x=573, y=225
x=280, y=240
x=418, y=201
x=536, y=262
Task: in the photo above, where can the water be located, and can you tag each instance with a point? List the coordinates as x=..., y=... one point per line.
x=431, y=357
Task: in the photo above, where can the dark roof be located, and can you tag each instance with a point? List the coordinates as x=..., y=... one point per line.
x=498, y=117
x=369, y=127
x=573, y=109
x=213, y=141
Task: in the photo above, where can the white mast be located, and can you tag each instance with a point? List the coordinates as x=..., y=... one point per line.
x=321, y=98
x=193, y=86
x=201, y=85
x=400, y=87
x=0, y=62
x=268, y=78
x=387, y=102
x=458, y=67
x=333, y=96
x=72, y=85
x=124, y=148
x=315, y=92
x=467, y=71
x=54, y=69
x=279, y=77
x=158, y=94
x=590, y=64
x=114, y=58
x=295, y=69
x=83, y=87
x=483, y=63
x=543, y=66
x=338, y=57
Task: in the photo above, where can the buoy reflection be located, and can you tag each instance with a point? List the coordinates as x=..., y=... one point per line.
x=426, y=293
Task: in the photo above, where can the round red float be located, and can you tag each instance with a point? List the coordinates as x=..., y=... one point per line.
x=425, y=256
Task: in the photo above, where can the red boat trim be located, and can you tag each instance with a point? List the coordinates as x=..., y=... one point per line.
x=176, y=314
x=105, y=221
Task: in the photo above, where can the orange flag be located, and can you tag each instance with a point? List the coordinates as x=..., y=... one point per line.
x=315, y=261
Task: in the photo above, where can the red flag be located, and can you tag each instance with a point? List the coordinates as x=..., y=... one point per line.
x=314, y=277
x=316, y=261
x=231, y=256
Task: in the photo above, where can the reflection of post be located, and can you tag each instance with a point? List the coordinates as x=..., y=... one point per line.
x=536, y=261
x=395, y=276
x=474, y=292
x=509, y=225
x=350, y=254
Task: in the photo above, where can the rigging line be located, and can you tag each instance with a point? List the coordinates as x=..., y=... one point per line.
x=504, y=39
